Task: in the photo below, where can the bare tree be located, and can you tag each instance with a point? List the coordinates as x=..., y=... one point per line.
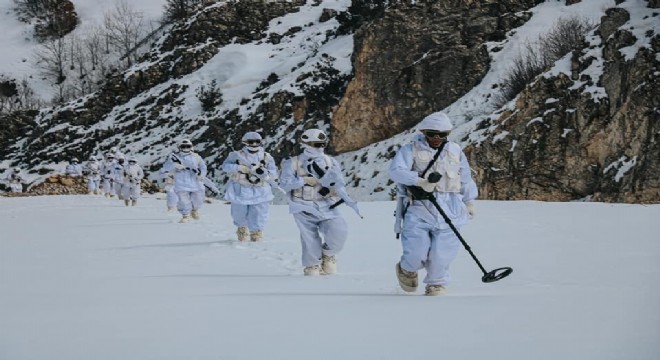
x=124, y=28
x=32, y=8
x=52, y=59
x=98, y=55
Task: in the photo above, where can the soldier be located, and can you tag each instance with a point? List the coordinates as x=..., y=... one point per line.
x=315, y=187
x=16, y=181
x=439, y=167
x=189, y=171
x=252, y=171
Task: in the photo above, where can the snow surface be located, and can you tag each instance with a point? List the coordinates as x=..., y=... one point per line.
x=83, y=277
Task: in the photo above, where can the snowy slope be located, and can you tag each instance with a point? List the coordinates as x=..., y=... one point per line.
x=18, y=59
x=86, y=278
x=239, y=69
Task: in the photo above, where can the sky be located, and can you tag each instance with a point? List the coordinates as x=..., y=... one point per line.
x=84, y=277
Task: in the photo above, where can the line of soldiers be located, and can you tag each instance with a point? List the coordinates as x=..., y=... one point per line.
x=114, y=176
x=315, y=188
x=314, y=185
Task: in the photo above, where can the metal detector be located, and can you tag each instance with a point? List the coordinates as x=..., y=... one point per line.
x=489, y=276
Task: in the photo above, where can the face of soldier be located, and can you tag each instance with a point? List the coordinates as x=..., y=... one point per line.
x=185, y=148
x=435, y=138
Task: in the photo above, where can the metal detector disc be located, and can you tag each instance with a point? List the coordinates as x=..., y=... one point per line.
x=497, y=274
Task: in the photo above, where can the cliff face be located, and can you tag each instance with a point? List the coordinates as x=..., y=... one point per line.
x=580, y=133
x=587, y=128
x=416, y=59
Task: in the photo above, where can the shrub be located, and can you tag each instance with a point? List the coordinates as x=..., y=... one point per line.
x=209, y=96
x=566, y=35
x=180, y=9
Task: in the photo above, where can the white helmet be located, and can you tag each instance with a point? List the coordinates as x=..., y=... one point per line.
x=314, y=136
x=185, y=146
x=113, y=149
x=74, y=160
x=252, y=140
x=437, y=121
x=17, y=170
x=251, y=136
x=92, y=158
x=110, y=156
x=132, y=160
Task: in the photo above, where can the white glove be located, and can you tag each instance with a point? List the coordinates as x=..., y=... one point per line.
x=426, y=185
x=244, y=169
x=310, y=180
x=179, y=166
x=470, y=208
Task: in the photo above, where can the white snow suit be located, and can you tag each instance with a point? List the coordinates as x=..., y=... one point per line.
x=133, y=175
x=427, y=240
x=118, y=179
x=168, y=186
x=16, y=182
x=189, y=170
x=107, y=171
x=322, y=230
x=73, y=170
x=250, y=193
x=93, y=172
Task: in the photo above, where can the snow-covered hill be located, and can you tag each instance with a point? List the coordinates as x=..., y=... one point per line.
x=251, y=75
x=19, y=47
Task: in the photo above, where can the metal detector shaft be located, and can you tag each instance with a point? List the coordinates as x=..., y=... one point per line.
x=491, y=276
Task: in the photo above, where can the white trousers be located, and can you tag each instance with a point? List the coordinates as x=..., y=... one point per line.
x=320, y=236
x=189, y=201
x=107, y=186
x=254, y=217
x=16, y=187
x=172, y=199
x=119, y=190
x=92, y=184
x=132, y=191
x=429, y=248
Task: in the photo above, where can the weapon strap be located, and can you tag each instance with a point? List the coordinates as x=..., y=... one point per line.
x=428, y=167
x=435, y=158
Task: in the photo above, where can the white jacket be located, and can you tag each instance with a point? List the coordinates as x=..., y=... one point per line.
x=249, y=188
x=406, y=172
x=189, y=170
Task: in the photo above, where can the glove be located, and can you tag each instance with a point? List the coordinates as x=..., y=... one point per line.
x=310, y=180
x=425, y=185
x=260, y=172
x=470, y=208
x=244, y=169
x=179, y=166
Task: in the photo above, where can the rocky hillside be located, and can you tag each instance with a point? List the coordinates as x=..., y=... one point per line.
x=589, y=128
x=368, y=72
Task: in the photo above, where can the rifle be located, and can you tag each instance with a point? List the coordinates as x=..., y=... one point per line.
x=260, y=173
x=178, y=161
x=203, y=179
x=339, y=188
